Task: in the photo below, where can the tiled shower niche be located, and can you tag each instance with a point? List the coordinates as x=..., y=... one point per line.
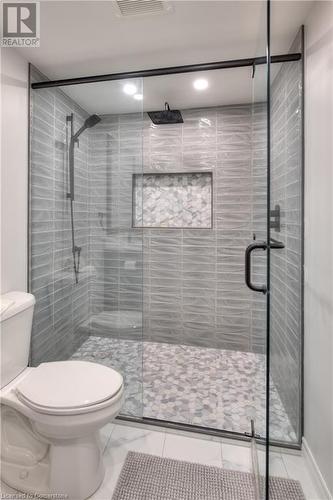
x=173, y=200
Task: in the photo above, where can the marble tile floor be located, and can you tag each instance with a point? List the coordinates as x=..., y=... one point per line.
x=119, y=438
x=221, y=389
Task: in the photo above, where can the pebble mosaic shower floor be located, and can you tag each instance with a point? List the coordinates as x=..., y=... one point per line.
x=216, y=388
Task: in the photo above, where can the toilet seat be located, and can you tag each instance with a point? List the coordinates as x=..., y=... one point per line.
x=69, y=387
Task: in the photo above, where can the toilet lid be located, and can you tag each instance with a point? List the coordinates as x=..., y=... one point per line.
x=69, y=385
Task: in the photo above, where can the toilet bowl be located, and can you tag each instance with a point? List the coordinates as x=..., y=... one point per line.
x=50, y=421
x=51, y=416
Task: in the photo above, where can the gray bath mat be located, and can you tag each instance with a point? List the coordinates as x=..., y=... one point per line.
x=147, y=477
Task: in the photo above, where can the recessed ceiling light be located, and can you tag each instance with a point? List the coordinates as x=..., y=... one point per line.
x=138, y=97
x=200, y=84
x=130, y=88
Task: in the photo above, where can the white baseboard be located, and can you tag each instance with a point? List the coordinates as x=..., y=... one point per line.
x=315, y=471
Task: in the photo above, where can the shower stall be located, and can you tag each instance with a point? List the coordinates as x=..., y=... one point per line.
x=179, y=259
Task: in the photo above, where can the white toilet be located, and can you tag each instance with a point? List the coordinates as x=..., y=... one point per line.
x=51, y=415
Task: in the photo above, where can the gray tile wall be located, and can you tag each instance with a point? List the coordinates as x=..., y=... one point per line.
x=194, y=291
x=116, y=249
x=61, y=306
x=286, y=270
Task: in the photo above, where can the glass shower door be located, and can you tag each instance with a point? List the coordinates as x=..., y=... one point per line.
x=256, y=268
x=255, y=278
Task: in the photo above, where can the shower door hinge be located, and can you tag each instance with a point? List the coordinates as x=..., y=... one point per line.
x=276, y=218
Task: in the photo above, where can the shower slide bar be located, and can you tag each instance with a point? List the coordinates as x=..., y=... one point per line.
x=76, y=250
x=262, y=245
x=91, y=121
x=190, y=68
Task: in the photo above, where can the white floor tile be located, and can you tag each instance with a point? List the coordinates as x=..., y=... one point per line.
x=123, y=439
x=276, y=464
x=195, y=435
x=192, y=449
x=297, y=469
x=118, y=439
x=236, y=457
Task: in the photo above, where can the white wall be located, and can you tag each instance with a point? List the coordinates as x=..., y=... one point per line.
x=14, y=170
x=318, y=360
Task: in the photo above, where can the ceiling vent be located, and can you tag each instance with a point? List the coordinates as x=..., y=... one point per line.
x=142, y=7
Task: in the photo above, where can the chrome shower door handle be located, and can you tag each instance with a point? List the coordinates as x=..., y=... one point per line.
x=253, y=246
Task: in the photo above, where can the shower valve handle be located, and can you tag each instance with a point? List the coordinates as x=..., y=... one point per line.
x=253, y=246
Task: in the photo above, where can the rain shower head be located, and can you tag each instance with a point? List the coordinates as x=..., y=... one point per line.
x=166, y=117
x=91, y=121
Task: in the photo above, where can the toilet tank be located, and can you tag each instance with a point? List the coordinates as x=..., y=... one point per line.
x=15, y=334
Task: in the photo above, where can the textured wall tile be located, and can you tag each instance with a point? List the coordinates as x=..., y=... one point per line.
x=187, y=273
x=51, y=273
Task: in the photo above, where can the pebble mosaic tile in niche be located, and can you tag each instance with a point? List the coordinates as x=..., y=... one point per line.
x=177, y=200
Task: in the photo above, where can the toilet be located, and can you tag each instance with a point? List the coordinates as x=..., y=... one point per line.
x=51, y=415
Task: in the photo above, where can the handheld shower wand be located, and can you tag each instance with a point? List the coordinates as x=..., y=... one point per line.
x=90, y=122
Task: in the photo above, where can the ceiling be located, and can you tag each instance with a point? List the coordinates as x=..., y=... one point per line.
x=80, y=38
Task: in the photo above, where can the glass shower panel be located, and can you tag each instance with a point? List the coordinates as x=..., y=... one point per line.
x=205, y=331
x=286, y=269
x=42, y=226
x=86, y=258
x=61, y=305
